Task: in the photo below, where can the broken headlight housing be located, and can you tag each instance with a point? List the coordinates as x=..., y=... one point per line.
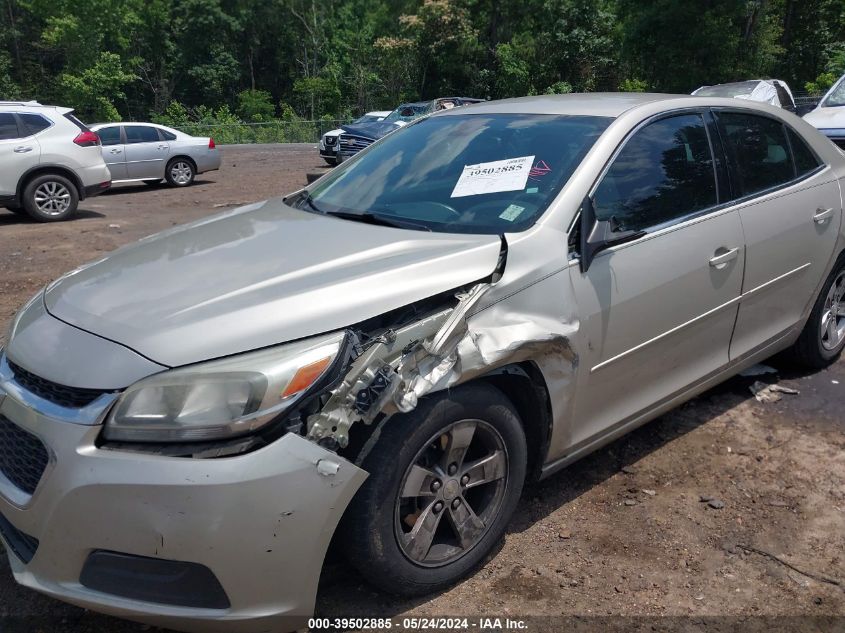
x=222, y=399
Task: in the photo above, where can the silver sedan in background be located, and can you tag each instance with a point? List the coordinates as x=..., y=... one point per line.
x=143, y=152
x=478, y=299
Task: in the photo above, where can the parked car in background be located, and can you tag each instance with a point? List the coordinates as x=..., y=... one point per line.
x=772, y=91
x=143, y=152
x=829, y=116
x=49, y=161
x=356, y=137
x=329, y=144
x=476, y=301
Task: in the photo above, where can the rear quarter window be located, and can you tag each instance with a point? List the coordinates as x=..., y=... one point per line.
x=805, y=159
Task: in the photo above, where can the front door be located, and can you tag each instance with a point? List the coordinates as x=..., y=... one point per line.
x=657, y=313
x=791, y=211
x=146, y=153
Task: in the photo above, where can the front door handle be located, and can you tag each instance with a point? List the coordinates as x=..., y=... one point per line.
x=721, y=260
x=116, y=151
x=822, y=215
x=23, y=149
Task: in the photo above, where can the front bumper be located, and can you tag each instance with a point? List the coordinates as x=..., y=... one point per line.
x=260, y=522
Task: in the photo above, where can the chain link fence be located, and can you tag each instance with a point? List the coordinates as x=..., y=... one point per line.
x=270, y=132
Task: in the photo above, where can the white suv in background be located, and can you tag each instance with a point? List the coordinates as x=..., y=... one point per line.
x=49, y=161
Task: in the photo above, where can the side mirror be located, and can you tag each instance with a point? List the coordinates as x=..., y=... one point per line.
x=598, y=235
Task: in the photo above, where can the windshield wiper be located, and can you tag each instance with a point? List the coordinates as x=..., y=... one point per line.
x=379, y=219
x=307, y=199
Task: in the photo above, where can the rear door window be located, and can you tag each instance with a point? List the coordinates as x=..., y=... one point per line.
x=34, y=123
x=141, y=134
x=664, y=172
x=758, y=152
x=110, y=135
x=168, y=136
x=8, y=126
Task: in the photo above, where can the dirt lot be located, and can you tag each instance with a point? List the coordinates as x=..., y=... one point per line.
x=624, y=532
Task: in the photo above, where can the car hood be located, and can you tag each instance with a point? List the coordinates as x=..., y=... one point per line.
x=372, y=130
x=826, y=118
x=259, y=276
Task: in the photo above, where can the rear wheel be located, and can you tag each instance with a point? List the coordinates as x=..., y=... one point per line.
x=444, y=482
x=180, y=172
x=50, y=198
x=823, y=337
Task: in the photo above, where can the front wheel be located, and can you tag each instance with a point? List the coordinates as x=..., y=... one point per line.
x=823, y=337
x=180, y=172
x=444, y=482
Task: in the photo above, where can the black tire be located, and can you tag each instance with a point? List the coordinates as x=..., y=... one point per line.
x=330, y=161
x=152, y=183
x=373, y=523
x=50, y=198
x=180, y=172
x=810, y=349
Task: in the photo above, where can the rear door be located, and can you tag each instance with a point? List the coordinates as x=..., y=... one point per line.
x=790, y=207
x=114, y=151
x=657, y=313
x=19, y=151
x=146, y=152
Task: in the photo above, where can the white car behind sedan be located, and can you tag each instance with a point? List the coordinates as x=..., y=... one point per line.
x=143, y=152
x=829, y=116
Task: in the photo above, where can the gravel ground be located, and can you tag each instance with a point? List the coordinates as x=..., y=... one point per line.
x=711, y=510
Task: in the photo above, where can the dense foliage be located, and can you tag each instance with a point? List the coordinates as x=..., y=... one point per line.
x=286, y=60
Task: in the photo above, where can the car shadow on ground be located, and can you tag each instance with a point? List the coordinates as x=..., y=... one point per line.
x=344, y=592
x=139, y=187
x=22, y=218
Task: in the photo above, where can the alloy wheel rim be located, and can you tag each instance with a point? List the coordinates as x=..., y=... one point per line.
x=181, y=173
x=832, y=329
x=52, y=198
x=451, y=493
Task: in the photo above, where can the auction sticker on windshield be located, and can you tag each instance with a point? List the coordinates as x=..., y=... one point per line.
x=501, y=175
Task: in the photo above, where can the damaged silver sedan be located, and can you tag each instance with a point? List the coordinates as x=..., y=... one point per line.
x=386, y=357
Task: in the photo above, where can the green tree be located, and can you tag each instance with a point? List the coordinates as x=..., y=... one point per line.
x=94, y=91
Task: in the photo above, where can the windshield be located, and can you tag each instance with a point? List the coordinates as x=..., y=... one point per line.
x=837, y=95
x=367, y=118
x=741, y=88
x=465, y=173
x=408, y=112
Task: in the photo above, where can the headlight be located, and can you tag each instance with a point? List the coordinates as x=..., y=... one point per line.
x=223, y=398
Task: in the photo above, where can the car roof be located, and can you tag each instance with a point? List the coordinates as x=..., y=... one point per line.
x=33, y=106
x=608, y=104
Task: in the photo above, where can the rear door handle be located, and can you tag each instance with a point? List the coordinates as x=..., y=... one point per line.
x=822, y=215
x=721, y=260
x=23, y=149
x=163, y=146
x=116, y=151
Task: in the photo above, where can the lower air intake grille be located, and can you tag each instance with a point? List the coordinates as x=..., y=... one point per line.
x=23, y=457
x=23, y=545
